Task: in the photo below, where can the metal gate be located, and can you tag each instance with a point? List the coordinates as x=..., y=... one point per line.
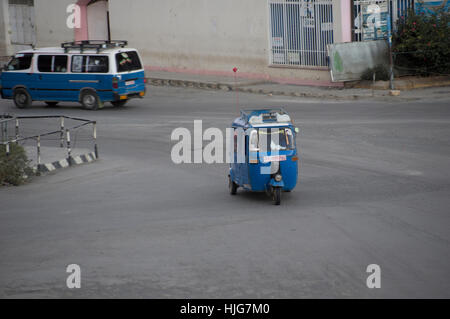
x=300, y=31
x=398, y=8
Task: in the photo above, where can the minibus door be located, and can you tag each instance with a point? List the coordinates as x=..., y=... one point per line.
x=52, y=78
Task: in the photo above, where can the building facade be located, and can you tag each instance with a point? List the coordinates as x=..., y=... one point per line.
x=279, y=40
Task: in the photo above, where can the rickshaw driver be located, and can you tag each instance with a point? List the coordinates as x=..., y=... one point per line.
x=280, y=139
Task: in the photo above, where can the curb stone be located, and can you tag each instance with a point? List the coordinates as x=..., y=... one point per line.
x=64, y=163
x=402, y=83
x=228, y=87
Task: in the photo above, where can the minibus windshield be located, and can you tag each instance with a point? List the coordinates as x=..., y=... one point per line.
x=20, y=62
x=128, y=61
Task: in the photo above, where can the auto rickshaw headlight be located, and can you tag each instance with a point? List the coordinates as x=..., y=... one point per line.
x=278, y=178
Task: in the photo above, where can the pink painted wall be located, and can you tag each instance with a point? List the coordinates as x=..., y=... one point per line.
x=82, y=33
x=346, y=20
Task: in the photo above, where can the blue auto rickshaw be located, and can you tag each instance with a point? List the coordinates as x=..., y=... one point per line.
x=264, y=154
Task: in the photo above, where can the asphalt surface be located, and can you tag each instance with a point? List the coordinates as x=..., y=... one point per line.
x=374, y=188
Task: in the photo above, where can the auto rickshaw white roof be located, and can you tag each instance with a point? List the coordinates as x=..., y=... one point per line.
x=263, y=118
x=280, y=119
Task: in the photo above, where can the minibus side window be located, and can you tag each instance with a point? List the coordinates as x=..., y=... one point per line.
x=90, y=64
x=52, y=63
x=45, y=63
x=20, y=62
x=60, y=63
x=78, y=63
x=97, y=64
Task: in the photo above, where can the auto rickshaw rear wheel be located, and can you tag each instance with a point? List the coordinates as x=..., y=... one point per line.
x=232, y=186
x=119, y=103
x=276, y=194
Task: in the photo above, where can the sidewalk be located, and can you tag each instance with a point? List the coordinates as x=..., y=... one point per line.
x=161, y=78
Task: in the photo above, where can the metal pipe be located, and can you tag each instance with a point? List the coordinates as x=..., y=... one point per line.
x=39, y=151
x=95, y=138
x=69, y=150
x=17, y=129
x=391, y=60
x=7, y=149
x=5, y=132
x=61, y=144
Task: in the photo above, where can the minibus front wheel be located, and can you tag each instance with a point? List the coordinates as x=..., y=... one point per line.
x=90, y=100
x=22, y=98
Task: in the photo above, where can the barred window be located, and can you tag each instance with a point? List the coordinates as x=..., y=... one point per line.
x=300, y=31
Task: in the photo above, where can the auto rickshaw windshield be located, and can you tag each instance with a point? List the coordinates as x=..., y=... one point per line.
x=271, y=139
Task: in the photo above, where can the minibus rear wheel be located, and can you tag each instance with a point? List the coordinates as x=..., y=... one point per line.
x=90, y=100
x=22, y=98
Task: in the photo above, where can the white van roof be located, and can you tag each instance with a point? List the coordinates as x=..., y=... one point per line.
x=59, y=50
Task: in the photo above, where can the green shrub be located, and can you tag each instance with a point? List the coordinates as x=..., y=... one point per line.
x=381, y=73
x=421, y=44
x=14, y=168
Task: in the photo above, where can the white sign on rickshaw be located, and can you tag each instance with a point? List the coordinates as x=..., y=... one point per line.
x=274, y=158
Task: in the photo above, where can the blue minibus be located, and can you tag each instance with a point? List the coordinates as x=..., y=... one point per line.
x=89, y=72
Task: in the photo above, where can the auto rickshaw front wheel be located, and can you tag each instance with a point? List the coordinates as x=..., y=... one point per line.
x=232, y=186
x=276, y=195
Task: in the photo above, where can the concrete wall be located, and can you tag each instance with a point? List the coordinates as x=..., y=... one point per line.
x=51, y=27
x=5, y=41
x=206, y=36
x=97, y=20
x=195, y=34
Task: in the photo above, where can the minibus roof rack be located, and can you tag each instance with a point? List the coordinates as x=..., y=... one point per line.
x=93, y=45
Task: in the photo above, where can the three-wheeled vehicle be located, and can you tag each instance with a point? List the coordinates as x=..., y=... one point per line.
x=264, y=154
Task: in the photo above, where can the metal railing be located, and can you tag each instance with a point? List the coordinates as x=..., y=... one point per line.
x=63, y=133
x=300, y=31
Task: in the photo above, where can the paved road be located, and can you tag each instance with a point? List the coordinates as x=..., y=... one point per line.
x=374, y=189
